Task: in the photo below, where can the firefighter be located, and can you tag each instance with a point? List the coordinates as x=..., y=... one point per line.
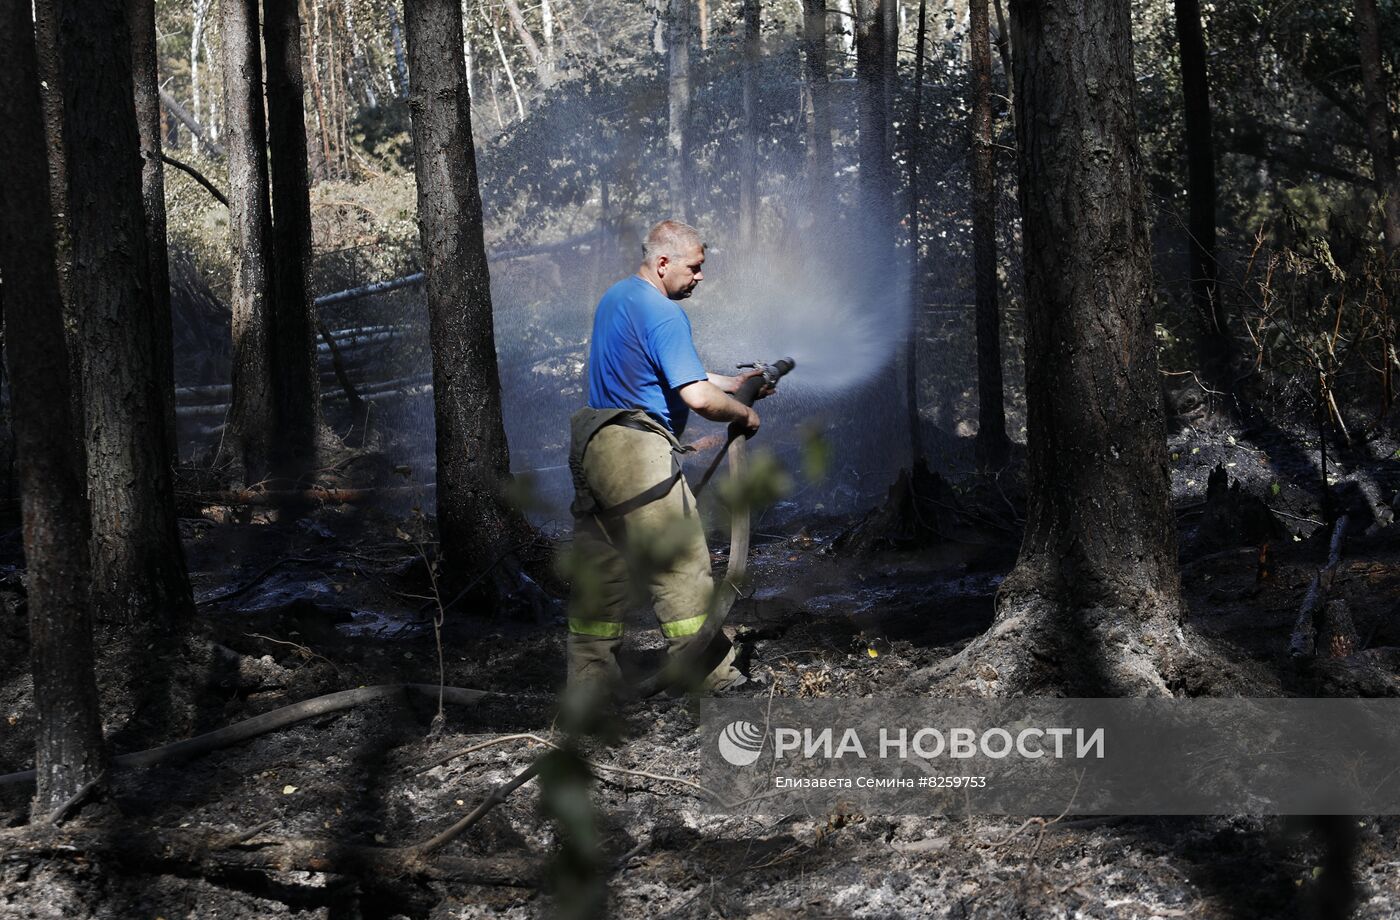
x=635, y=518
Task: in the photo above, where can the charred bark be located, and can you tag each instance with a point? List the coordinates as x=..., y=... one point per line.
x=253, y=420
x=678, y=107
x=748, y=137
x=138, y=564
x=1217, y=350
x=1368, y=38
x=473, y=460
x=51, y=96
x=873, y=121
x=141, y=14
x=1003, y=42
x=916, y=286
x=820, y=161
x=297, y=387
x=889, y=67
x=993, y=448
x=1092, y=604
x=69, y=750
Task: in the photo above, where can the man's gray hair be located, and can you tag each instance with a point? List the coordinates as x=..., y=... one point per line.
x=672, y=239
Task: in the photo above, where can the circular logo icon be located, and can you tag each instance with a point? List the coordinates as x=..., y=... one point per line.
x=740, y=743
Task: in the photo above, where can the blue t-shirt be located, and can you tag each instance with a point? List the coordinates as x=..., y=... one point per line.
x=642, y=353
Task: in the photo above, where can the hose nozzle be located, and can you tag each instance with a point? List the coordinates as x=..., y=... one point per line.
x=769, y=377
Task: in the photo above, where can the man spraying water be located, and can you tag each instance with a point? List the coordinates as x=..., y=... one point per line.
x=631, y=499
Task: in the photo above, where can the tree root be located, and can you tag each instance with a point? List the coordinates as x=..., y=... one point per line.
x=1038, y=646
x=211, y=854
x=271, y=721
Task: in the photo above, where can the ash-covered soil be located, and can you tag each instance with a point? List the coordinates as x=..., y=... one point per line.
x=340, y=600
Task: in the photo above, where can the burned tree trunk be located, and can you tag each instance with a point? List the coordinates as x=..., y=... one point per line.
x=473, y=460
x=916, y=285
x=51, y=98
x=1217, y=350
x=252, y=420
x=297, y=387
x=748, y=137
x=1368, y=37
x=820, y=161
x=889, y=69
x=138, y=564
x=69, y=752
x=875, y=172
x=1092, y=605
x=678, y=107
x=141, y=14
x=993, y=448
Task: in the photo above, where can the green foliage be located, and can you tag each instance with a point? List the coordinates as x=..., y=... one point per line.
x=577, y=868
x=196, y=223
x=762, y=482
x=382, y=133
x=816, y=454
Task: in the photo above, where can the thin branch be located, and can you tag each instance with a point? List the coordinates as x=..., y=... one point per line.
x=59, y=813
x=497, y=796
x=197, y=176
x=592, y=764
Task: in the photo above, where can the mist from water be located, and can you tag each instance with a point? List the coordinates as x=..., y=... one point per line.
x=790, y=300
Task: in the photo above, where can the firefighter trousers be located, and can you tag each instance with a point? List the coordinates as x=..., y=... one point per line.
x=637, y=537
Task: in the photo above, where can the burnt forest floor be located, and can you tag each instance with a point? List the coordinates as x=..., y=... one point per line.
x=335, y=600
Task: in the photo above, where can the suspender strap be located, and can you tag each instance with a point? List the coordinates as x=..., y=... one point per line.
x=587, y=423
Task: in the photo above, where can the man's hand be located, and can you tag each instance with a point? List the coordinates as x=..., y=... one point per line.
x=749, y=424
x=763, y=391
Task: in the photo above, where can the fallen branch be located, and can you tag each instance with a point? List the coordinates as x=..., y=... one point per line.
x=386, y=395
x=209, y=853
x=1304, y=640
x=357, y=405
x=591, y=764
x=318, y=495
x=271, y=721
x=183, y=115
x=1040, y=837
x=59, y=813
x=496, y=255
x=197, y=176
x=497, y=796
x=368, y=290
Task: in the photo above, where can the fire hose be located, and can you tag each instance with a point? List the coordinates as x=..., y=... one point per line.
x=711, y=646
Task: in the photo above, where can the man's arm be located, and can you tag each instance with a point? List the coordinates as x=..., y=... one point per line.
x=709, y=401
x=732, y=384
x=726, y=384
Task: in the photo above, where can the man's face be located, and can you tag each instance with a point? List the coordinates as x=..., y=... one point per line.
x=679, y=276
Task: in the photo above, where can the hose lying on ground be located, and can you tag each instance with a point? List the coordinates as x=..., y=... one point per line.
x=271, y=721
